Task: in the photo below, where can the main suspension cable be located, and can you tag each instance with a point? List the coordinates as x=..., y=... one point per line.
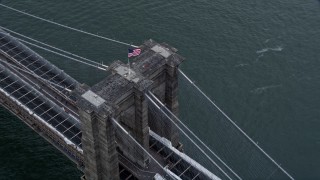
x=54, y=52
x=181, y=130
x=55, y=48
x=194, y=135
x=34, y=75
x=68, y=27
x=234, y=124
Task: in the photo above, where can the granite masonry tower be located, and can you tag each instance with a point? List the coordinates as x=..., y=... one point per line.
x=121, y=96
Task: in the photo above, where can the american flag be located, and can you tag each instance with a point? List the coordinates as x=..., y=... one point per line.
x=134, y=52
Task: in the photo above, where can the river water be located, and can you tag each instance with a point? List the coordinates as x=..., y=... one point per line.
x=258, y=60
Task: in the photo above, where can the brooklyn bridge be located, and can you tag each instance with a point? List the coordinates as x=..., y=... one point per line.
x=128, y=125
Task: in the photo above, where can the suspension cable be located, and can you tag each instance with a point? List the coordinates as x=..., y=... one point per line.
x=68, y=27
x=35, y=75
x=77, y=60
x=117, y=125
x=172, y=121
x=55, y=48
x=235, y=125
x=178, y=120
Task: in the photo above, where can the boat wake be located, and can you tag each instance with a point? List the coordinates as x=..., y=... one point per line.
x=279, y=48
x=241, y=65
x=260, y=90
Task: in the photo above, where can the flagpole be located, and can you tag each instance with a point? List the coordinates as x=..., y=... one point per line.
x=129, y=65
x=129, y=61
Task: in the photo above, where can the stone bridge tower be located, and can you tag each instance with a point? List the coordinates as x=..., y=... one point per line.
x=121, y=96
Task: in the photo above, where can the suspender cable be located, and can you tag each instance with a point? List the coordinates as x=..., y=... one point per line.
x=55, y=48
x=68, y=27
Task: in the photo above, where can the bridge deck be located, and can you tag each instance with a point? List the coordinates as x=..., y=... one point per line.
x=22, y=56
x=39, y=105
x=50, y=117
x=174, y=162
x=40, y=113
x=24, y=96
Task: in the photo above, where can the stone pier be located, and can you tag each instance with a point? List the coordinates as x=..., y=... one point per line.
x=122, y=96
